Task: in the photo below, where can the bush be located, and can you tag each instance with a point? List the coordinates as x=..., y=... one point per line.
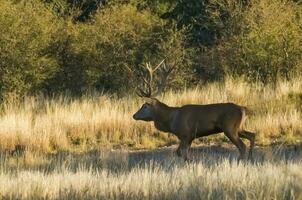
x=27, y=28
x=45, y=47
x=45, y=50
x=119, y=40
x=261, y=42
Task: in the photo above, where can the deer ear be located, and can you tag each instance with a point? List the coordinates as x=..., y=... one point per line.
x=150, y=100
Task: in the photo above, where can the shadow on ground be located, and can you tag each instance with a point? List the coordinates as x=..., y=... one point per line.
x=122, y=160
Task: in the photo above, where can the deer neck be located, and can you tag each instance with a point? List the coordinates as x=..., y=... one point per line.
x=164, y=117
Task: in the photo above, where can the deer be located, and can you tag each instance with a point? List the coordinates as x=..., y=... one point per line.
x=192, y=121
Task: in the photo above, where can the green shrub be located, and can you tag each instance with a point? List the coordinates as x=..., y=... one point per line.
x=119, y=40
x=262, y=41
x=27, y=28
x=45, y=47
x=44, y=50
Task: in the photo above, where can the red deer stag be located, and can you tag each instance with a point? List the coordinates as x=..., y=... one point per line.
x=193, y=121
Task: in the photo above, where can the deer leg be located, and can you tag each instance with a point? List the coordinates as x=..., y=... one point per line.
x=251, y=137
x=234, y=138
x=183, y=148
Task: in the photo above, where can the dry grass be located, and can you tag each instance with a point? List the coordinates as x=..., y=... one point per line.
x=51, y=148
x=50, y=125
x=214, y=174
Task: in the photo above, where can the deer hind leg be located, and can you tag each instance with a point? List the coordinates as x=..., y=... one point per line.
x=234, y=138
x=251, y=137
x=183, y=149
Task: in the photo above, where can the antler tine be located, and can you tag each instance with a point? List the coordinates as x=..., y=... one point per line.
x=141, y=93
x=149, y=68
x=165, y=72
x=149, y=82
x=149, y=93
x=163, y=61
x=145, y=81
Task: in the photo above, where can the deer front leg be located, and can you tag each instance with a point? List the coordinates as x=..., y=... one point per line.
x=183, y=149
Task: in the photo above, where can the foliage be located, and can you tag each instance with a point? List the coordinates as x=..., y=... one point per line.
x=26, y=30
x=207, y=20
x=57, y=46
x=263, y=45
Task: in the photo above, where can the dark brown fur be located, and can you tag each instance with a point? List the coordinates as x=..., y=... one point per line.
x=193, y=121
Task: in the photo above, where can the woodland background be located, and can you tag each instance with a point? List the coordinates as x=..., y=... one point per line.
x=52, y=47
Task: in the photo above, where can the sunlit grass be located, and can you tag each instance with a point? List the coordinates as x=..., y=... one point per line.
x=94, y=121
x=214, y=174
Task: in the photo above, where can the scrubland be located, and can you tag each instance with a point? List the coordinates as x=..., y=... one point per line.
x=98, y=120
x=91, y=148
x=67, y=143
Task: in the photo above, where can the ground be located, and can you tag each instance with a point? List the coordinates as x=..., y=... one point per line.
x=213, y=173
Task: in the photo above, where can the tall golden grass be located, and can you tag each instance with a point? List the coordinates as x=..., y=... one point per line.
x=94, y=121
x=152, y=175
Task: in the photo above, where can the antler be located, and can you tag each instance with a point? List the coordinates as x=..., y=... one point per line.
x=164, y=76
x=164, y=73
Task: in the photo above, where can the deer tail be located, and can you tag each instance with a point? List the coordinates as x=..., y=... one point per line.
x=244, y=111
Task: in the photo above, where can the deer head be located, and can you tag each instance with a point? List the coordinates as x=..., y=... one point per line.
x=146, y=112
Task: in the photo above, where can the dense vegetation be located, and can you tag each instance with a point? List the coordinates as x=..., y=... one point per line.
x=68, y=71
x=75, y=46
